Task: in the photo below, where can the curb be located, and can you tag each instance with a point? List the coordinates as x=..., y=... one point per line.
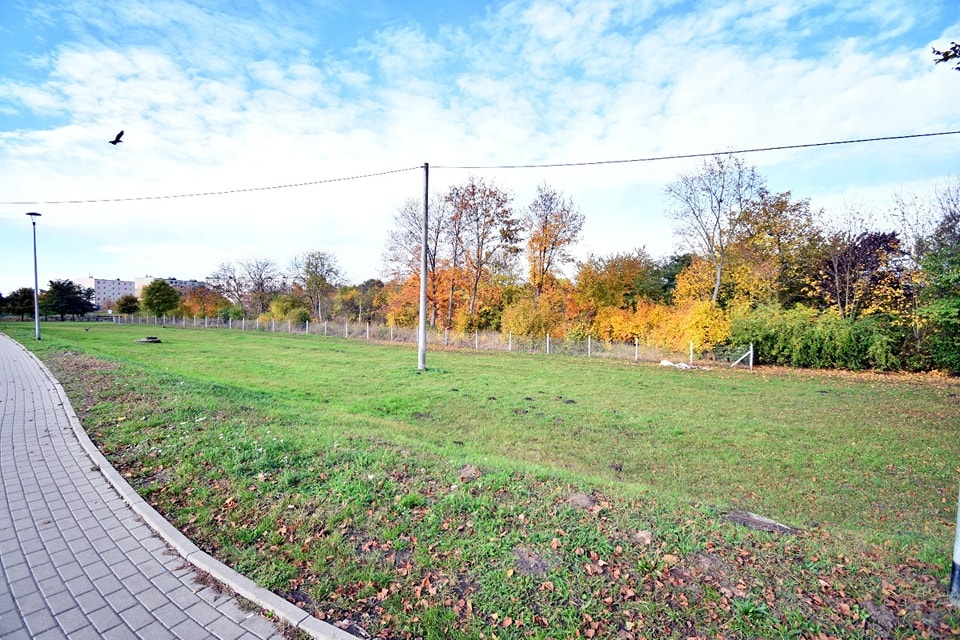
x=240, y=584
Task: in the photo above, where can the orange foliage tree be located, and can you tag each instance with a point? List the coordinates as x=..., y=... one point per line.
x=553, y=225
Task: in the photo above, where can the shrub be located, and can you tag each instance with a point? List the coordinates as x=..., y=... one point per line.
x=802, y=337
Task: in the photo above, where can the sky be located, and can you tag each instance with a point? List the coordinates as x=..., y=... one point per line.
x=348, y=100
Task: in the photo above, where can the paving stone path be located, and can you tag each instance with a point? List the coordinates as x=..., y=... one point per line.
x=83, y=556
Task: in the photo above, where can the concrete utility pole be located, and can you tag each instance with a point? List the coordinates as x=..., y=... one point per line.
x=955, y=572
x=422, y=329
x=36, y=289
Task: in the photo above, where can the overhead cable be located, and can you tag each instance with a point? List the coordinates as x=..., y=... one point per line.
x=500, y=166
x=219, y=193
x=697, y=155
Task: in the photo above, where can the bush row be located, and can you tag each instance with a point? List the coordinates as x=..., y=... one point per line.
x=804, y=337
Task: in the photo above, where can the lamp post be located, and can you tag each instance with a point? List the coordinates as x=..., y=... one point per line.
x=36, y=290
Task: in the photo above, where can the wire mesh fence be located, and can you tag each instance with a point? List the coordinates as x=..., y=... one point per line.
x=726, y=355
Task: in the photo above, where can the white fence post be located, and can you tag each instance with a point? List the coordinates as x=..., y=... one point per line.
x=691, y=353
x=510, y=342
x=589, y=346
x=548, y=344
x=368, y=331
x=751, y=356
x=636, y=349
x=476, y=338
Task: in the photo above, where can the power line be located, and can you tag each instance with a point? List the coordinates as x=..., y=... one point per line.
x=502, y=166
x=698, y=155
x=219, y=193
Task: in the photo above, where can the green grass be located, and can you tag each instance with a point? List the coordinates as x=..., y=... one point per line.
x=330, y=469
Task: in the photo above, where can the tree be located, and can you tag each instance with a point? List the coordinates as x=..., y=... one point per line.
x=228, y=281
x=941, y=297
x=776, y=249
x=159, y=298
x=489, y=232
x=202, y=301
x=362, y=302
x=711, y=208
x=553, y=224
x=859, y=270
x=668, y=269
x=953, y=53
x=20, y=302
x=317, y=275
x=64, y=297
x=618, y=281
x=128, y=304
x=262, y=279
x=402, y=256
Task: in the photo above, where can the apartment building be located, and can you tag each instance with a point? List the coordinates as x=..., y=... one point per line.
x=183, y=286
x=106, y=292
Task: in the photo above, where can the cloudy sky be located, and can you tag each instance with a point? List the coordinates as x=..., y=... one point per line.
x=230, y=98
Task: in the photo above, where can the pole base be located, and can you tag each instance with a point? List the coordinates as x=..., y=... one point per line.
x=955, y=585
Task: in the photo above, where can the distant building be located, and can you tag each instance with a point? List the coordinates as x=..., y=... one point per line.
x=106, y=292
x=183, y=286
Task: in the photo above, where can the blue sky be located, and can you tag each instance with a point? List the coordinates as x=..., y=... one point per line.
x=220, y=96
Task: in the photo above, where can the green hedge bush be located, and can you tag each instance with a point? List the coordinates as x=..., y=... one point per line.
x=805, y=337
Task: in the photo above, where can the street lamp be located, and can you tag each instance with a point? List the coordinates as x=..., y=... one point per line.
x=36, y=288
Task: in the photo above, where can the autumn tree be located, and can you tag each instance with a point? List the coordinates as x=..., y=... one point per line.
x=159, y=297
x=553, y=225
x=403, y=251
x=668, y=269
x=711, y=207
x=203, y=302
x=859, y=270
x=618, y=280
x=488, y=231
x=317, y=275
x=776, y=249
x=361, y=302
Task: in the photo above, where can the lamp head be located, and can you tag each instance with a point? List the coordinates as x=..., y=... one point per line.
x=33, y=215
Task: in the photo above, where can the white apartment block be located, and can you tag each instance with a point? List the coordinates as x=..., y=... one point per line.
x=183, y=286
x=106, y=292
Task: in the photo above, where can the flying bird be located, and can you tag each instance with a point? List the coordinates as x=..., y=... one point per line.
x=117, y=139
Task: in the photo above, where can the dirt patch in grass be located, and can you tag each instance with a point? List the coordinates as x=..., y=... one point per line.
x=532, y=564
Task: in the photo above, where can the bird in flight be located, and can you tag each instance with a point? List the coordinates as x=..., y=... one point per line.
x=117, y=139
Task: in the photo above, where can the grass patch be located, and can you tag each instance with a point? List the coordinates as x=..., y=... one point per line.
x=333, y=472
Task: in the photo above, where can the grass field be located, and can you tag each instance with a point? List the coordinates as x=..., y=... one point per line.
x=513, y=496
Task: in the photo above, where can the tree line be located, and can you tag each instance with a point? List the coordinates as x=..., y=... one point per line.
x=752, y=266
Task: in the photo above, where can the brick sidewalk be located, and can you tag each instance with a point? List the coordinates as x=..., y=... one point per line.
x=83, y=556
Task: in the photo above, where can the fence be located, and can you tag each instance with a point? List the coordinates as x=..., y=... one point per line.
x=478, y=341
